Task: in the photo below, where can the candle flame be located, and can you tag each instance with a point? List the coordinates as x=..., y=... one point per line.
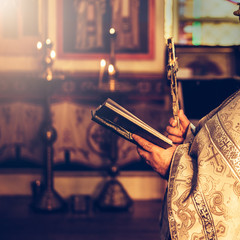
x=39, y=45
x=112, y=31
x=48, y=41
x=111, y=69
x=103, y=63
x=53, y=54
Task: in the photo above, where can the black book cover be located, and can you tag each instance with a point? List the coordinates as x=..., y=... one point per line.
x=122, y=122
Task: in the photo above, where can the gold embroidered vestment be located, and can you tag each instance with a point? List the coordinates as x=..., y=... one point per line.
x=213, y=209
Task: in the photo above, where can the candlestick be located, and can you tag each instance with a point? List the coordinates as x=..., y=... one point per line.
x=101, y=72
x=111, y=73
x=49, y=200
x=113, y=34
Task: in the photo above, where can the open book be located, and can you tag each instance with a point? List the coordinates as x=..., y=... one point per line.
x=113, y=116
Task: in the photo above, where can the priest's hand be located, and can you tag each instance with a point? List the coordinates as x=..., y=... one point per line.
x=158, y=158
x=177, y=135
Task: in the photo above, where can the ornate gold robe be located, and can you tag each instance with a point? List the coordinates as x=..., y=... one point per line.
x=213, y=209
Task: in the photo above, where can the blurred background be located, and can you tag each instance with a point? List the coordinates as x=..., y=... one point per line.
x=60, y=59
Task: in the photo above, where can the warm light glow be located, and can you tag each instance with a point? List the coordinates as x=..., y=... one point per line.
x=49, y=134
x=49, y=77
x=53, y=54
x=48, y=41
x=103, y=63
x=112, y=85
x=48, y=60
x=112, y=31
x=101, y=72
x=39, y=45
x=111, y=69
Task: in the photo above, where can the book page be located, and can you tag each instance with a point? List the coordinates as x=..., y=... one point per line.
x=123, y=109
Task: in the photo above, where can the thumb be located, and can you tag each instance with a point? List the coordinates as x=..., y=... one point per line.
x=183, y=119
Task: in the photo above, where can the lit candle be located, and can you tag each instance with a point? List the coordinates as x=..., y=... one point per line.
x=101, y=72
x=53, y=54
x=48, y=41
x=112, y=31
x=111, y=70
x=39, y=45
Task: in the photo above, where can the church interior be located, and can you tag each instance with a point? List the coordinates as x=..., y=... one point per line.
x=64, y=176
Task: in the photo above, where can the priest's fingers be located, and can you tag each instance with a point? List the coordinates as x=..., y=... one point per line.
x=174, y=131
x=176, y=139
x=183, y=119
x=172, y=122
x=146, y=145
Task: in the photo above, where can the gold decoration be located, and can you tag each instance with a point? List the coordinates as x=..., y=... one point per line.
x=48, y=58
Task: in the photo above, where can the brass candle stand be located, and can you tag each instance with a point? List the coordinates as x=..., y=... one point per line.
x=110, y=83
x=112, y=196
x=48, y=200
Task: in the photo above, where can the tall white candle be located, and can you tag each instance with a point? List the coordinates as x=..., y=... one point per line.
x=101, y=72
x=111, y=72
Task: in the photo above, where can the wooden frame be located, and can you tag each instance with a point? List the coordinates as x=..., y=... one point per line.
x=205, y=62
x=66, y=13
x=69, y=59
